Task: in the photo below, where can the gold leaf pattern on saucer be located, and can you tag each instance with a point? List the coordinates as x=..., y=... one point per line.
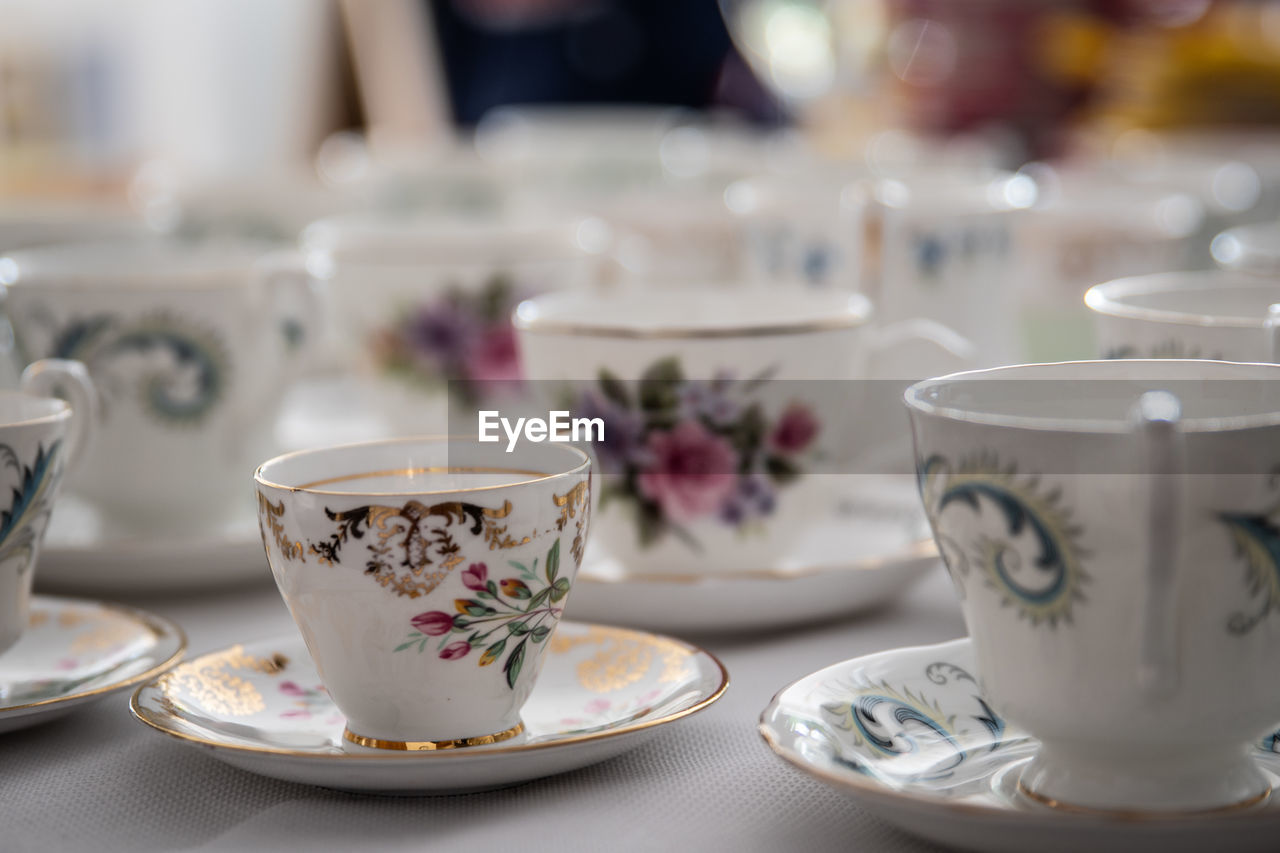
x=210, y=684
x=624, y=658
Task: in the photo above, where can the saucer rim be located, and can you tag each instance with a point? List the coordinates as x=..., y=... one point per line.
x=157, y=624
x=920, y=549
x=864, y=785
x=142, y=715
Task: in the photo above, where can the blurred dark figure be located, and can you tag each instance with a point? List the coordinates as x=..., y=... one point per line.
x=593, y=51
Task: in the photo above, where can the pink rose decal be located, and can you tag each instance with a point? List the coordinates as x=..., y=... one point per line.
x=795, y=430
x=693, y=471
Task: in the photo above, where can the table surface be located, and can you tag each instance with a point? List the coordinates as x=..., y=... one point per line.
x=98, y=780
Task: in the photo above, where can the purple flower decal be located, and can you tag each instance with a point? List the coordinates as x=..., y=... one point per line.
x=795, y=430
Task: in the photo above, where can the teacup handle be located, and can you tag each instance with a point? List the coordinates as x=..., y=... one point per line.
x=295, y=303
x=1272, y=327
x=919, y=348
x=1156, y=418
x=67, y=380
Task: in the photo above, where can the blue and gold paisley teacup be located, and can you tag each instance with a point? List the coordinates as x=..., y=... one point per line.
x=191, y=346
x=427, y=577
x=39, y=437
x=1113, y=529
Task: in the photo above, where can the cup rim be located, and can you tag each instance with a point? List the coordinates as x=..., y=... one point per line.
x=61, y=411
x=858, y=311
x=916, y=401
x=145, y=264
x=583, y=465
x=1108, y=298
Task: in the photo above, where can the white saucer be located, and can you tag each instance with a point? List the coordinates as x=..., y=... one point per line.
x=874, y=545
x=261, y=707
x=82, y=554
x=907, y=734
x=75, y=652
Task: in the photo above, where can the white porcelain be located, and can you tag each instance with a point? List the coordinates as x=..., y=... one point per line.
x=26, y=223
x=417, y=307
x=75, y=652
x=1218, y=315
x=769, y=366
x=426, y=576
x=1110, y=527
x=1249, y=248
x=85, y=553
x=262, y=707
x=869, y=550
x=910, y=735
x=1085, y=229
x=40, y=439
x=191, y=346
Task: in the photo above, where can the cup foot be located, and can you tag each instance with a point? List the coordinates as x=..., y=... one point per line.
x=430, y=745
x=1131, y=786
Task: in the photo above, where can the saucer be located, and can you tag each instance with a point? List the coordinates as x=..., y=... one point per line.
x=907, y=734
x=81, y=554
x=261, y=707
x=874, y=545
x=75, y=652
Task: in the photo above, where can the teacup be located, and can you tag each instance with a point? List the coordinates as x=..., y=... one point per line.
x=1111, y=529
x=420, y=306
x=716, y=424
x=40, y=438
x=190, y=345
x=1217, y=315
x=426, y=577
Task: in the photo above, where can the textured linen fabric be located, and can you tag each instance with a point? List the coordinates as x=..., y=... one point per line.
x=96, y=780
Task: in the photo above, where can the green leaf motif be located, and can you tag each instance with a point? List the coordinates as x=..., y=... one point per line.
x=491, y=653
x=518, y=628
x=553, y=562
x=613, y=388
x=514, y=664
x=559, y=589
x=540, y=633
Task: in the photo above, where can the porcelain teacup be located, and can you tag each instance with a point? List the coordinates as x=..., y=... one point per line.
x=1211, y=314
x=1111, y=529
x=426, y=576
x=190, y=346
x=40, y=438
x=721, y=410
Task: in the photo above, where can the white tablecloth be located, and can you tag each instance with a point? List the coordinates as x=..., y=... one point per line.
x=99, y=781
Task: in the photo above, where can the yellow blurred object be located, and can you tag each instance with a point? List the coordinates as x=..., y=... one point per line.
x=1074, y=46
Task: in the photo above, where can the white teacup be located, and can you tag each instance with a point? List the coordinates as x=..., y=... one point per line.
x=190, y=346
x=1217, y=315
x=426, y=577
x=39, y=438
x=715, y=427
x=1110, y=526
x=422, y=305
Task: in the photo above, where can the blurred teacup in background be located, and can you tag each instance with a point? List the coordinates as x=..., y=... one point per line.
x=1110, y=526
x=1250, y=248
x=40, y=438
x=719, y=413
x=191, y=347
x=1208, y=314
x=420, y=306
x=427, y=577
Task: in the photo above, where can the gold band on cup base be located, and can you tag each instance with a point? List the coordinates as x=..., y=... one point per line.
x=1141, y=814
x=431, y=745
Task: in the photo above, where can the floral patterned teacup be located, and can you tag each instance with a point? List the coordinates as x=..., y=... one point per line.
x=426, y=576
x=423, y=305
x=1209, y=314
x=1113, y=528
x=191, y=347
x=714, y=430
x=39, y=437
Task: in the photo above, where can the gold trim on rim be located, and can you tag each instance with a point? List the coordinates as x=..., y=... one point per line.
x=157, y=625
x=1140, y=814
x=922, y=549
x=157, y=722
x=584, y=465
x=431, y=745
x=433, y=469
